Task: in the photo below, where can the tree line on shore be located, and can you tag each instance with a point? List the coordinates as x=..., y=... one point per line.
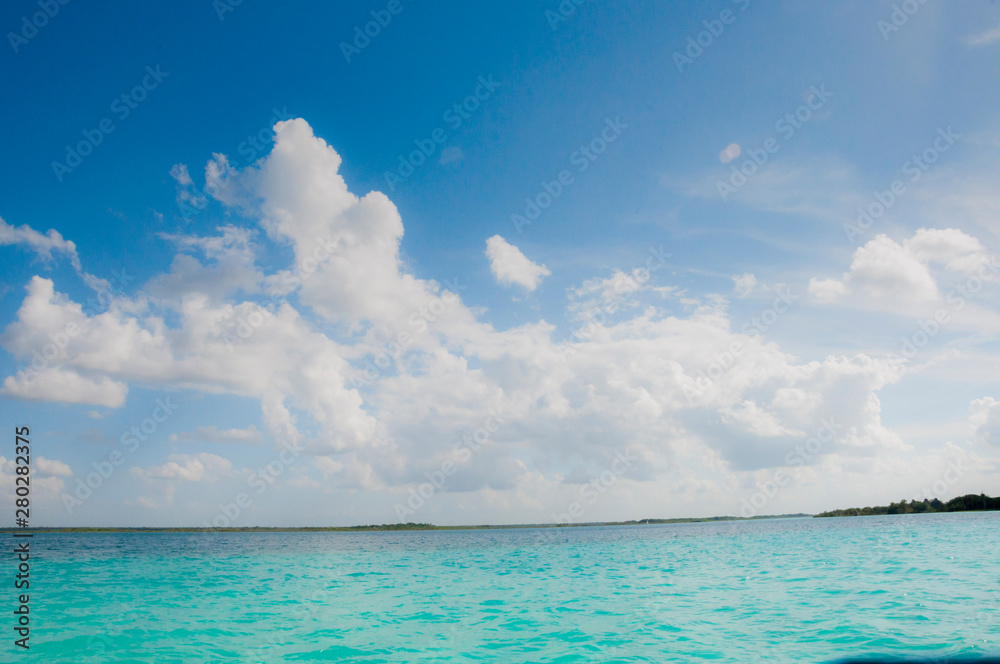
x=967, y=503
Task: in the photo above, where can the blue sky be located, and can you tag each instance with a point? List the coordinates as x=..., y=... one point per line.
x=554, y=323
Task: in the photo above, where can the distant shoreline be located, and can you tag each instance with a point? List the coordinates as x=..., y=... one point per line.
x=385, y=527
x=968, y=503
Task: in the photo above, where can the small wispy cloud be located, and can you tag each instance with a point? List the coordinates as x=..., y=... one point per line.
x=213, y=434
x=744, y=284
x=985, y=38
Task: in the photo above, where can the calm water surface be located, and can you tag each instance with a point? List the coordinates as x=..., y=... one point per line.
x=790, y=590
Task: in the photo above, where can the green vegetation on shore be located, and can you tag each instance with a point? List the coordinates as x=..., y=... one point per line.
x=386, y=526
x=968, y=503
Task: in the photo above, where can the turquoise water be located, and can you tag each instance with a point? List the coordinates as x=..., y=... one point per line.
x=790, y=590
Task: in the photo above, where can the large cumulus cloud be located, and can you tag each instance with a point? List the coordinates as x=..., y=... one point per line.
x=692, y=397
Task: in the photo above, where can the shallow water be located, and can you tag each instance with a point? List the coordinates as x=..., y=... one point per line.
x=770, y=591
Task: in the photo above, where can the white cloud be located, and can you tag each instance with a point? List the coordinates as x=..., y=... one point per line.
x=950, y=247
x=646, y=380
x=46, y=480
x=179, y=172
x=52, y=467
x=230, y=266
x=744, y=284
x=202, y=467
x=45, y=245
x=283, y=359
x=826, y=290
x=985, y=38
x=602, y=297
x=54, y=384
x=510, y=266
x=887, y=271
x=347, y=265
x=212, y=434
x=984, y=418
x=42, y=245
x=757, y=421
